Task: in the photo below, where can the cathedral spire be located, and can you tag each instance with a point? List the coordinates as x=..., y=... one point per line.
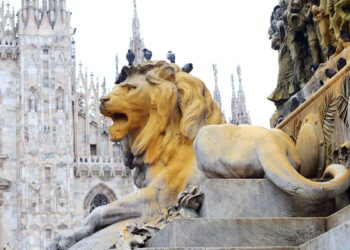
x=217, y=96
x=136, y=42
x=238, y=106
x=233, y=86
x=233, y=102
x=116, y=67
x=239, y=72
x=44, y=5
x=135, y=9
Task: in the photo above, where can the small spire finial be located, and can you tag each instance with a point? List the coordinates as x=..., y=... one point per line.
x=116, y=66
x=92, y=77
x=103, y=85
x=217, y=96
x=239, y=72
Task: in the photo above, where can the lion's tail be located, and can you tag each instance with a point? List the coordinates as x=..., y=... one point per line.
x=280, y=171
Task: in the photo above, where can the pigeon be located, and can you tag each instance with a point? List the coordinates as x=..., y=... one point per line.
x=171, y=56
x=344, y=35
x=302, y=101
x=320, y=83
x=147, y=54
x=187, y=68
x=314, y=67
x=130, y=56
x=294, y=104
x=329, y=51
x=341, y=63
x=122, y=76
x=279, y=120
x=330, y=73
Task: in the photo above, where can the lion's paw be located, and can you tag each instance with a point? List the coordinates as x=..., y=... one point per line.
x=62, y=242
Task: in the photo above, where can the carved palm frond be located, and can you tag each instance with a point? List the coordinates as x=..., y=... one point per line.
x=343, y=100
x=328, y=111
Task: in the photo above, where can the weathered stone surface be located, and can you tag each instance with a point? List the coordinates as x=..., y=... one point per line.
x=335, y=239
x=237, y=198
x=239, y=232
x=338, y=218
x=223, y=248
x=103, y=239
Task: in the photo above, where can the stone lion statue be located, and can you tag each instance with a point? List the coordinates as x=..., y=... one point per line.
x=157, y=112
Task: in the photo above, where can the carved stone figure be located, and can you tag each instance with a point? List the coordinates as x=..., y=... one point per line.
x=287, y=83
x=59, y=100
x=320, y=15
x=255, y=151
x=32, y=103
x=61, y=194
x=159, y=149
x=34, y=193
x=176, y=106
x=295, y=35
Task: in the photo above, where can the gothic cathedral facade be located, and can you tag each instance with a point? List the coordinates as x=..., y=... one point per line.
x=56, y=158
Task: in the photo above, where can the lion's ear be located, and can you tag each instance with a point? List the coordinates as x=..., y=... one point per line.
x=167, y=72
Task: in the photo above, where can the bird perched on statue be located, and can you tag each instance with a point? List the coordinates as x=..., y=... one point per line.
x=344, y=36
x=341, y=63
x=171, y=56
x=279, y=120
x=319, y=84
x=330, y=73
x=314, y=67
x=147, y=54
x=294, y=104
x=330, y=50
x=187, y=68
x=121, y=77
x=130, y=56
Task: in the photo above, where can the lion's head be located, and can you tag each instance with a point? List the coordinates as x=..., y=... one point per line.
x=158, y=104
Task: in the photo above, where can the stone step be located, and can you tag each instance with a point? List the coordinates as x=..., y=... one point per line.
x=245, y=232
x=335, y=239
x=249, y=198
x=222, y=248
x=337, y=235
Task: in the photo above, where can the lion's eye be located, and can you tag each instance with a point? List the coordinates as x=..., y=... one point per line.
x=129, y=87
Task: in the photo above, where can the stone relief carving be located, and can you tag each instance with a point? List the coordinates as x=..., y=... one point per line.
x=137, y=234
x=306, y=34
x=32, y=102
x=34, y=188
x=61, y=196
x=59, y=99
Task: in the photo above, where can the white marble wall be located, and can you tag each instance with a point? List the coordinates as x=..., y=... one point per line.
x=44, y=144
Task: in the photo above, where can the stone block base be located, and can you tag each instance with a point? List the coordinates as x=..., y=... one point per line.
x=239, y=232
x=249, y=198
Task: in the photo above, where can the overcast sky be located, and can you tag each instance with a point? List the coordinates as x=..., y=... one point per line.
x=204, y=32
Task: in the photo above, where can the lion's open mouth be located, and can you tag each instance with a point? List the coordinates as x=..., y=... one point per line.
x=119, y=118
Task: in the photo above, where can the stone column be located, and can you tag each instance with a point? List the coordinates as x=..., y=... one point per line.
x=4, y=184
x=1, y=231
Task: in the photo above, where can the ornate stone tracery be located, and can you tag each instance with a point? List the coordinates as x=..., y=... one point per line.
x=99, y=194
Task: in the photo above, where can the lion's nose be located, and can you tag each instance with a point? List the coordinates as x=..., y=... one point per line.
x=104, y=99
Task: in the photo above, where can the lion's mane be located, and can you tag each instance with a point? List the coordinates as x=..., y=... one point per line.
x=181, y=105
